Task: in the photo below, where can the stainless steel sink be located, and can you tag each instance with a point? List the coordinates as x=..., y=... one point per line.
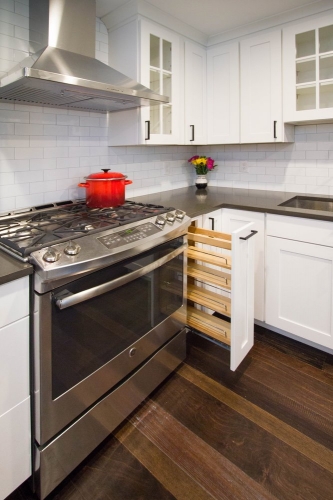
x=309, y=203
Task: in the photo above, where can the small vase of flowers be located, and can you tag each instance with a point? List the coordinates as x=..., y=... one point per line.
x=202, y=165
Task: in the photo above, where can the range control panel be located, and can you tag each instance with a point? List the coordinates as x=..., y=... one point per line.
x=129, y=235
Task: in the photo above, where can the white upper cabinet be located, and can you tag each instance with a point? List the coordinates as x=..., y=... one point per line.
x=149, y=54
x=261, y=89
x=195, y=94
x=223, y=94
x=308, y=71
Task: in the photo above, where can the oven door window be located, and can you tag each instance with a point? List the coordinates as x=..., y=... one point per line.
x=89, y=334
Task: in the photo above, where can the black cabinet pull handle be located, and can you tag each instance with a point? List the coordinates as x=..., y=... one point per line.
x=274, y=129
x=147, y=123
x=213, y=220
x=192, y=127
x=248, y=236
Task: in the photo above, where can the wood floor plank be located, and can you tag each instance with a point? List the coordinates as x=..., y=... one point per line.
x=166, y=471
x=210, y=469
x=304, y=390
x=304, y=417
x=257, y=452
x=311, y=449
x=317, y=372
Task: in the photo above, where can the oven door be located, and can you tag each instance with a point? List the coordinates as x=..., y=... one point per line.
x=93, y=332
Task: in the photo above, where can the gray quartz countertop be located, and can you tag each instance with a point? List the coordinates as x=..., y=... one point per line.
x=196, y=202
x=12, y=269
x=201, y=201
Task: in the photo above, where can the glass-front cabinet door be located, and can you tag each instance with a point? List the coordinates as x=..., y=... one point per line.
x=308, y=70
x=160, y=72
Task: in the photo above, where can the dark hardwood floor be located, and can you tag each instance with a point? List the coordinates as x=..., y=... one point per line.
x=262, y=432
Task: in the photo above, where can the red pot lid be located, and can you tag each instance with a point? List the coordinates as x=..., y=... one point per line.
x=105, y=175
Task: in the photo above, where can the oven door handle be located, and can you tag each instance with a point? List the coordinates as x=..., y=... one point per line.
x=66, y=299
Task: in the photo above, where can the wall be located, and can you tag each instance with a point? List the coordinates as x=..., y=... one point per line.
x=45, y=152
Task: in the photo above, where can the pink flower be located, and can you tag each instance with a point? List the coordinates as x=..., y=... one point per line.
x=210, y=163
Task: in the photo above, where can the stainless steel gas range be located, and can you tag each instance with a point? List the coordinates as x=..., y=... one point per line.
x=108, y=319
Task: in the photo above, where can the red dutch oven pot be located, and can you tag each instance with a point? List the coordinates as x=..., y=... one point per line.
x=105, y=189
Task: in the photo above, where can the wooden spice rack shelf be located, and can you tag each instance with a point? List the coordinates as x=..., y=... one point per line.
x=199, y=262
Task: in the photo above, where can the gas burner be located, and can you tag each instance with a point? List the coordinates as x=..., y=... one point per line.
x=83, y=226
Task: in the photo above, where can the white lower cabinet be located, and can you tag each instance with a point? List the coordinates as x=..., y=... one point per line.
x=234, y=219
x=299, y=278
x=15, y=431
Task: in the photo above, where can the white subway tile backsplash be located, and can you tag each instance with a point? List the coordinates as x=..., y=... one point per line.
x=56, y=130
x=67, y=162
x=56, y=152
x=58, y=173
x=43, y=163
x=43, y=141
x=28, y=129
x=43, y=187
x=43, y=118
x=28, y=177
x=11, y=116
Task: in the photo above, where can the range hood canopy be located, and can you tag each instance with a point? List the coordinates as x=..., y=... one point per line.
x=63, y=71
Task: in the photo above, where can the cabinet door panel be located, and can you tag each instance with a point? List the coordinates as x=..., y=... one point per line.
x=14, y=364
x=195, y=94
x=299, y=289
x=159, y=62
x=14, y=300
x=223, y=94
x=15, y=450
x=242, y=294
x=307, y=71
x=261, y=89
x=234, y=219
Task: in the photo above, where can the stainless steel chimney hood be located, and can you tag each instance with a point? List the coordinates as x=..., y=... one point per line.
x=63, y=71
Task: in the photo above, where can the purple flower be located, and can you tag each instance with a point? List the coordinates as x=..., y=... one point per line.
x=193, y=158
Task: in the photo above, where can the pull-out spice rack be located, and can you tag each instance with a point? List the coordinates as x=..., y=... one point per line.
x=220, y=279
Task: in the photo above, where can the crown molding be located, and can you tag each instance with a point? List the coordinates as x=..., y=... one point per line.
x=136, y=8
x=282, y=20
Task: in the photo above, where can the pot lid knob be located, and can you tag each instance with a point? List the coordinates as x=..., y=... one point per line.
x=106, y=170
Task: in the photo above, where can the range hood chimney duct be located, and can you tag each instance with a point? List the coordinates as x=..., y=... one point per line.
x=62, y=70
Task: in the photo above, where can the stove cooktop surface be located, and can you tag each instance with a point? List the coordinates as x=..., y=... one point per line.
x=27, y=231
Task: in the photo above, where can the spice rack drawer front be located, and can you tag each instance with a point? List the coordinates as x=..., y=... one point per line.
x=220, y=279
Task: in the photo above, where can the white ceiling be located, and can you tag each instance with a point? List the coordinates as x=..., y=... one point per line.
x=213, y=17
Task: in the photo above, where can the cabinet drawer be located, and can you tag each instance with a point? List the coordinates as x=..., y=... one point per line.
x=15, y=450
x=296, y=228
x=14, y=364
x=14, y=301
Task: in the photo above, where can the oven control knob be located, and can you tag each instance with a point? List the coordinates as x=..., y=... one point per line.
x=51, y=255
x=160, y=221
x=132, y=352
x=72, y=248
x=180, y=214
x=170, y=217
